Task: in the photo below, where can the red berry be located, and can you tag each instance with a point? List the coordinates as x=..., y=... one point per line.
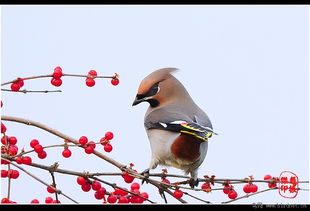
x=96, y=185
x=50, y=189
x=57, y=72
x=34, y=142
x=83, y=140
x=103, y=141
x=120, y=192
x=13, y=149
x=112, y=199
x=42, y=154
x=115, y=81
x=86, y=187
x=56, y=201
x=90, y=82
x=20, y=82
x=58, y=68
x=227, y=188
x=15, y=87
x=5, y=201
x=3, y=129
x=4, y=140
x=89, y=149
x=145, y=195
x=38, y=148
x=165, y=181
x=92, y=144
x=267, y=177
x=26, y=160
x=128, y=178
x=4, y=162
x=123, y=200
x=19, y=160
x=99, y=194
x=108, y=135
x=66, y=153
x=56, y=81
x=136, y=199
x=48, y=200
x=253, y=188
x=178, y=194
x=247, y=188
x=232, y=194
x=4, y=173
x=108, y=147
x=34, y=201
x=272, y=185
x=14, y=174
x=206, y=187
x=135, y=186
x=92, y=73
x=81, y=180
x=12, y=140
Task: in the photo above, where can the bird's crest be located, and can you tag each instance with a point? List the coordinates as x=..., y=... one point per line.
x=154, y=77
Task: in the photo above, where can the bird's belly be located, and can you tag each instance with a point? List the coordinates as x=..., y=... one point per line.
x=167, y=151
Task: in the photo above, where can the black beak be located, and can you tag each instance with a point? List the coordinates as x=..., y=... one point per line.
x=137, y=101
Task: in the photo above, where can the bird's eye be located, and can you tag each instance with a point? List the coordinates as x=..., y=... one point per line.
x=153, y=90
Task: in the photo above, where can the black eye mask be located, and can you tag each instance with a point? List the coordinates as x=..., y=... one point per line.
x=152, y=91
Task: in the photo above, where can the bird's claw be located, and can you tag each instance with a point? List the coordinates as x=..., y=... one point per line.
x=193, y=182
x=146, y=175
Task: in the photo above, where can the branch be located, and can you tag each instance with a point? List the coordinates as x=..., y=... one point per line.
x=98, y=154
x=250, y=194
x=51, y=75
x=61, y=135
x=31, y=91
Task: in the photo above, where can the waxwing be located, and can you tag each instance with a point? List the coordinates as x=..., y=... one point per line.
x=178, y=130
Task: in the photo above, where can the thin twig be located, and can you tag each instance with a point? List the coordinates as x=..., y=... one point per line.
x=51, y=75
x=31, y=91
x=9, y=182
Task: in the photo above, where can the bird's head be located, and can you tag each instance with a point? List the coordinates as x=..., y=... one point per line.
x=156, y=87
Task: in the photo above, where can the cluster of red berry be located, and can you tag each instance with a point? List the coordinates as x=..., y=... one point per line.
x=9, y=147
x=89, y=147
x=57, y=74
x=38, y=148
x=89, y=81
x=48, y=200
x=119, y=195
x=19, y=83
x=248, y=188
x=57, y=81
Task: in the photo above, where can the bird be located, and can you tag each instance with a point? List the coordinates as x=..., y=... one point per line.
x=178, y=130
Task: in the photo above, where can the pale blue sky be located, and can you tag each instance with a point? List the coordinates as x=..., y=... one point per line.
x=247, y=67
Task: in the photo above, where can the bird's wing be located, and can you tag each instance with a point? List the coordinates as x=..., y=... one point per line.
x=184, y=127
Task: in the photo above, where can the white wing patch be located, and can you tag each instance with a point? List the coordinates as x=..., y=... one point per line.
x=163, y=124
x=178, y=122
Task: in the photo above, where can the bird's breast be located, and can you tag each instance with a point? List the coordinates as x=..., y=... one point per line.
x=186, y=147
x=174, y=149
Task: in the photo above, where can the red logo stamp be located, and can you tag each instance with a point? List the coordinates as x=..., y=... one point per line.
x=288, y=185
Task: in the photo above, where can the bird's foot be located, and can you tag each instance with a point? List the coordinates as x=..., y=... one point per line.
x=193, y=182
x=146, y=175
